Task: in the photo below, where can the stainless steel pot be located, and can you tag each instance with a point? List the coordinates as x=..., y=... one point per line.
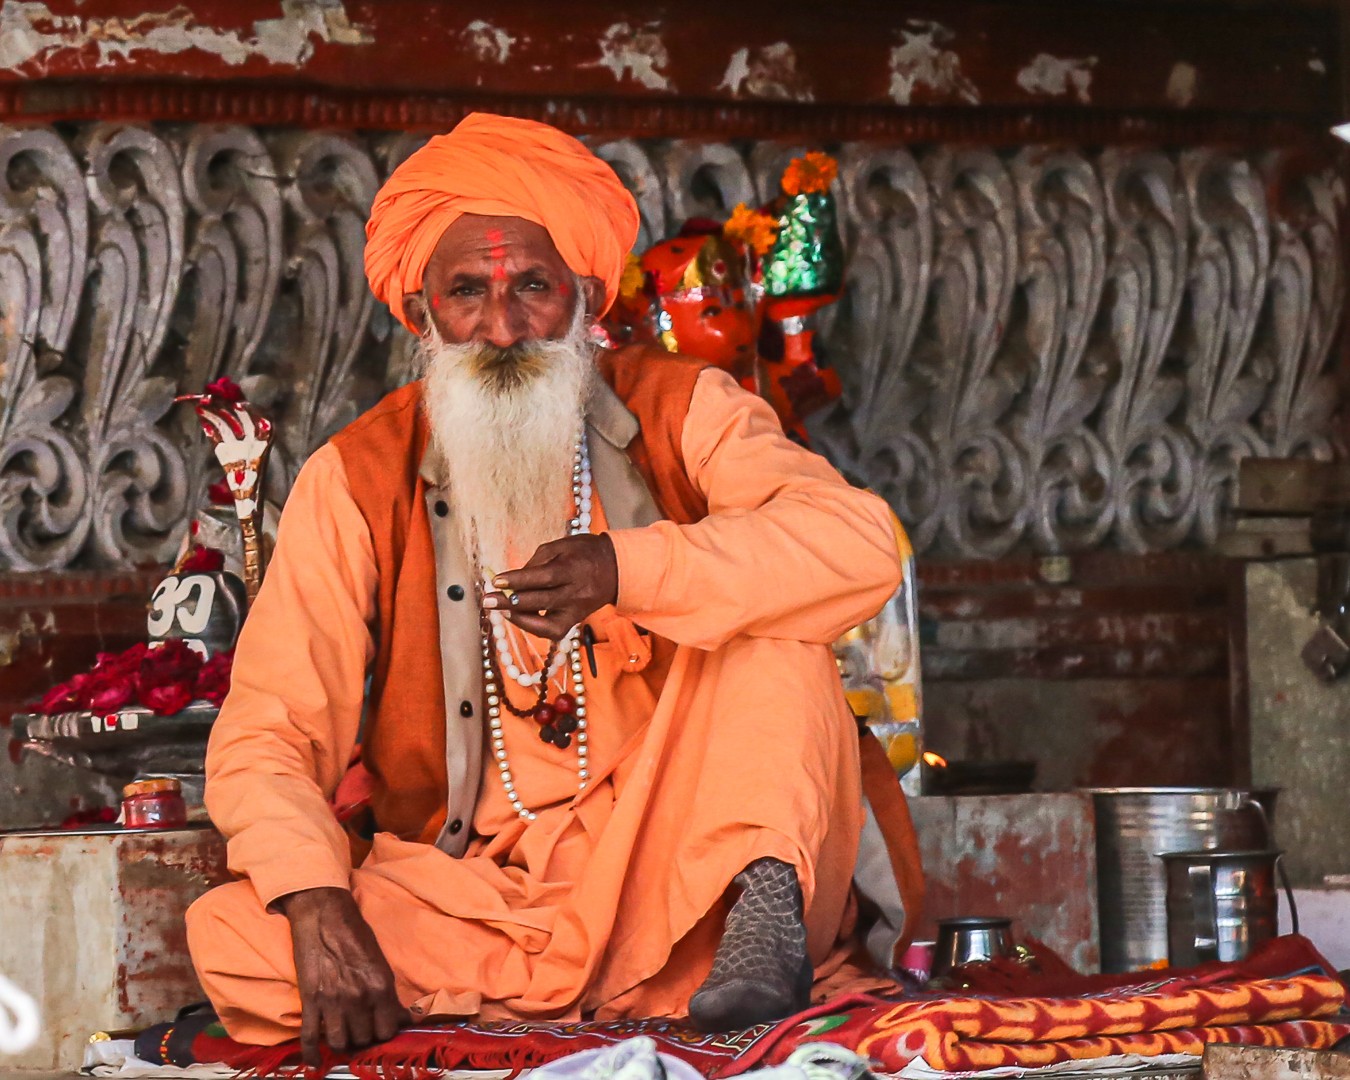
x=971, y=938
x=1222, y=904
x=1133, y=825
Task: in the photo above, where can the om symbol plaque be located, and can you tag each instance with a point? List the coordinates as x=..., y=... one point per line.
x=205, y=610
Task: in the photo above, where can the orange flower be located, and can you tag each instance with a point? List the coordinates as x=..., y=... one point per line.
x=754, y=230
x=632, y=279
x=810, y=175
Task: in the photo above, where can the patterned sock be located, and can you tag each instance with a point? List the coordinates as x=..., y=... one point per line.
x=761, y=971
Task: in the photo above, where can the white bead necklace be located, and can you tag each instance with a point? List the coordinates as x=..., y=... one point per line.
x=566, y=652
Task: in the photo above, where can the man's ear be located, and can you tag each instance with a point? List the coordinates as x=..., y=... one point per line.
x=415, y=308
x=593, y=292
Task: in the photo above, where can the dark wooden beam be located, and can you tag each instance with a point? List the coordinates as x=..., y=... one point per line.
x=1147, y=70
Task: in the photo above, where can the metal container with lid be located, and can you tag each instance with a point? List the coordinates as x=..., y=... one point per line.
x=969, y=939
x=1133, y=826
x=154, y=802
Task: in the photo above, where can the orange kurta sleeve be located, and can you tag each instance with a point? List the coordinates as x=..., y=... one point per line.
x=788, y=550
x=286, y=731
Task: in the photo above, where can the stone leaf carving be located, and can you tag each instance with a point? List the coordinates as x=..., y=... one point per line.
x=329, y=184
x=1305, y=298
x=44, y=238
x=137, y=473
x=234, y=265
x=1226, y=380
x=983, y=477
x=888, y=221
x=1062, y=272
x=1152, y=473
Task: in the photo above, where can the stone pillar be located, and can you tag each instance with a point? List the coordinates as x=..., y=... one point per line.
x=1300, y=727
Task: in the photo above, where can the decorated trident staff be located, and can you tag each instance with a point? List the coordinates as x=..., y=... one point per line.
x=802, y=272
x=242, y=439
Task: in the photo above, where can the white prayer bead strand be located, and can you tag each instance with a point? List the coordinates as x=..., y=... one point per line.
x=579, y=714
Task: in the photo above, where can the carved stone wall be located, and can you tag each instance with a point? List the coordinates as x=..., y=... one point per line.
x=1063, y=351
x=1041, y=348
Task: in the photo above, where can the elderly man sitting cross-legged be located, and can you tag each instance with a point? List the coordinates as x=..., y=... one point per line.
x=612, y=770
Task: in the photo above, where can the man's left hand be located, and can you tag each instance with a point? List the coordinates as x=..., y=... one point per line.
x=568, y=580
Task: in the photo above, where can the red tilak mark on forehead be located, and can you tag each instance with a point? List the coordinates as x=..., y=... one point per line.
x=435, y=303
x=499, y=272
x=495, y=236
x=497, y=253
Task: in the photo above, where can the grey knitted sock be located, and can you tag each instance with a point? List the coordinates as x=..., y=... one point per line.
x=761, y=971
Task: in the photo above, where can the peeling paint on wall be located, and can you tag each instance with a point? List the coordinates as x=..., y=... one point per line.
x=637, y=52
x=919, y=63
x=771, y=75
x=1056, y=76
x=1181, y=84
x=487, y=43
x=30, y=31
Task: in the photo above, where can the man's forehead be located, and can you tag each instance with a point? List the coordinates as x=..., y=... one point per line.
x=473, y=233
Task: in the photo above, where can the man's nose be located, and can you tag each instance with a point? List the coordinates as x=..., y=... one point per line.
x=502, y=323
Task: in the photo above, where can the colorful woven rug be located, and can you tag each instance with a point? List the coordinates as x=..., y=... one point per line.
x=975, y=1034
x=1286, y=995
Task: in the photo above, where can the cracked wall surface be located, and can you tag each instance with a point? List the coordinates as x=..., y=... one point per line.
x=30, y=32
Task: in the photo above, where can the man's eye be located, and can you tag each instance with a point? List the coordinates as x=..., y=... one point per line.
x=534, y=286
x=465, y=290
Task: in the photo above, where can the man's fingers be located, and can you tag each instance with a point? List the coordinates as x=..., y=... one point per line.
x=309, y=1032
x=551, y=626
x=535, y=600
x=554, y=563
x=552, y=576
x=360, y=1021
x=389, y=1016
x=530, y=600
x=334, y=1025
x=547, y=552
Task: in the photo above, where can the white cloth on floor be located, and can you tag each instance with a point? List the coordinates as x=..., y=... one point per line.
x=638, y=1059
x=1118, y=1067
x=117, y=1057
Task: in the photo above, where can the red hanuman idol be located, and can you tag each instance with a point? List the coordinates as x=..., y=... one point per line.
x=708, y=292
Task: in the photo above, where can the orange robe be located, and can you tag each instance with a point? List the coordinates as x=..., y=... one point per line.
x=732, y=743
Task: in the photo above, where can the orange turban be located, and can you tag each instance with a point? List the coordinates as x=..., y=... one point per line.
x=502, y=167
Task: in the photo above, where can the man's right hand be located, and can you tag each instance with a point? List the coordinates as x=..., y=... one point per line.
x=346, y=984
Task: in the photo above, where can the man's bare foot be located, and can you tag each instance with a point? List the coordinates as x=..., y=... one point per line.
x=761, y=971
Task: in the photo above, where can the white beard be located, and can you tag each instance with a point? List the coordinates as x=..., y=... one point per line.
x=505, y=422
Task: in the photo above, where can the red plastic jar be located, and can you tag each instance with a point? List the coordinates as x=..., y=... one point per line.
x=156, y=803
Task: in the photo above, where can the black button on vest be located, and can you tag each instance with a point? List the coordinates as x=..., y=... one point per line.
x=465, y=709
x=442, y=508
x=456, y=826
x=455, y=592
